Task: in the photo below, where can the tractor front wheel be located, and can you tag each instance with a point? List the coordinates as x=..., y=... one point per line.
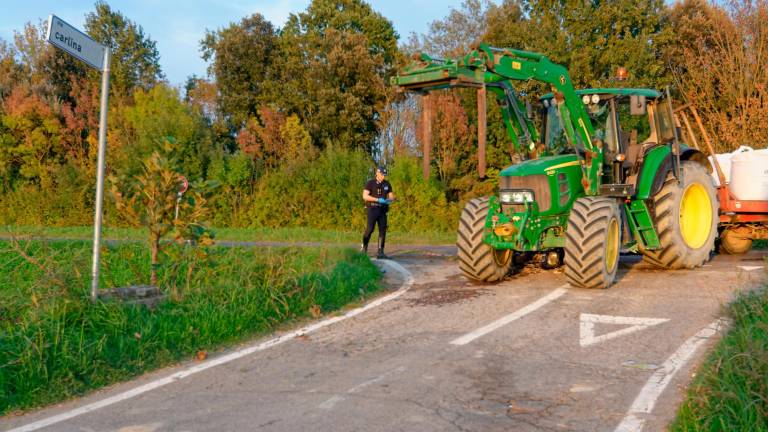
x=477, y=260
x=686, y=219
x=592, y=242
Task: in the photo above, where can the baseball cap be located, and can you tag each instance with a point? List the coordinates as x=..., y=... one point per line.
x=381, y=169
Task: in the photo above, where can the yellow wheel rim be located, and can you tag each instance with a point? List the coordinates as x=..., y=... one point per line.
x=612, y=245
x=695, y=216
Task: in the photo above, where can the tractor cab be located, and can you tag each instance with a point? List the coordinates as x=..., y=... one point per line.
x=627, y=121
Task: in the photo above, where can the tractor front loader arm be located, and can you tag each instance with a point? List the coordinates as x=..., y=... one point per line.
x=496, y=68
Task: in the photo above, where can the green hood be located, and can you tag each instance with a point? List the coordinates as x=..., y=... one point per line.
x=540, y=165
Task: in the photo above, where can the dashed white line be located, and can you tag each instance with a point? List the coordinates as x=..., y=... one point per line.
x=501, y=322
x=223, y=359
x=330, y=403
x=646, y=399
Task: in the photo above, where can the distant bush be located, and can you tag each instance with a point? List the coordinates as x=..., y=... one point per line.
x=322, y=192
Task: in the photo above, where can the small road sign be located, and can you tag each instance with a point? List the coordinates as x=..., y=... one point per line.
x=75, y=42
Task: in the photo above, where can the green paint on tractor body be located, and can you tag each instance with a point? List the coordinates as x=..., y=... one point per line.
x=540, y=225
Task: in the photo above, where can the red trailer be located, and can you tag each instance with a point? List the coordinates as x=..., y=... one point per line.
x=741, y=222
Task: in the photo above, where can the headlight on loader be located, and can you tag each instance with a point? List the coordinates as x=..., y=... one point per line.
x=515, y=196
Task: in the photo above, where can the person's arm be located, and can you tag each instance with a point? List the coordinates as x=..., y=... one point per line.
x=367, y=196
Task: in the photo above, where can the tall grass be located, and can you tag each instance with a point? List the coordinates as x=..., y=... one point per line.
x=396, y=234
x=54, y=344
x=730, y=392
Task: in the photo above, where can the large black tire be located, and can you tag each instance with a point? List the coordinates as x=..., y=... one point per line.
x=592, y=242
x=733, y=241
x=686, y=219
x=477, y=260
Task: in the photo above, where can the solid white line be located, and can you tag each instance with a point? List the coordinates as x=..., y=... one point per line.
x=646, y=399
x=240, y=353
x=501, y=322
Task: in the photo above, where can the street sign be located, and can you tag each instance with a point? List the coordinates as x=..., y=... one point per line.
x=75, y=42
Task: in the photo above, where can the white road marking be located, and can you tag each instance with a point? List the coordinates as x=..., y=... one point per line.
x=240, y=353
x=588, y=321
x=750, y=268
x=646, y=399
x=501, y=322
x=331, y=402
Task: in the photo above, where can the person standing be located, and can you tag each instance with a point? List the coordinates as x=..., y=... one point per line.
x=378, y=196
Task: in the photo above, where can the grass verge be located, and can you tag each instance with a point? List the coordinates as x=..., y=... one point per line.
x=730, y=392
x=295, y=234
x=55, y=345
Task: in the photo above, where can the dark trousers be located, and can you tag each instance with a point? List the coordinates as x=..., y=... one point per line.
x=376, y=215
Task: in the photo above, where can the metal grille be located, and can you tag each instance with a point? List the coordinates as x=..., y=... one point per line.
x=539, y=184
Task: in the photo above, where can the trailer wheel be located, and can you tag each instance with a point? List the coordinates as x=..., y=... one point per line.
x=686, y=219
x=592, y=242
x=734, y=241
x=477, y=260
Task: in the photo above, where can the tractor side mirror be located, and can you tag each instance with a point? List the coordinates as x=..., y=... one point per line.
x=528, y=109
x=637, y=105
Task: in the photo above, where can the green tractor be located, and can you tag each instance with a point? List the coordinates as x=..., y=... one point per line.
x=609, y=174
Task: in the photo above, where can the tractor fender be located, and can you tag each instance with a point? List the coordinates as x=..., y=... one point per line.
x=658, y=162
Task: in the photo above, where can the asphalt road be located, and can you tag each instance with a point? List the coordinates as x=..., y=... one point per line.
x=441, y=354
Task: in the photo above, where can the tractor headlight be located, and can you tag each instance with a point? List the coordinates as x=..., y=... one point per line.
x=516, y=196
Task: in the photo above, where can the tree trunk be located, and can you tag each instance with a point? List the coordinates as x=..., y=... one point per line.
x=154, y=252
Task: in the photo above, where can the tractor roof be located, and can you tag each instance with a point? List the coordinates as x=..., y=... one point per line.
x=649, y=93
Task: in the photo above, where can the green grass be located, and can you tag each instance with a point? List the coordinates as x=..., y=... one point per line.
x=730, y=392
x=55, y=345
x=296, y=234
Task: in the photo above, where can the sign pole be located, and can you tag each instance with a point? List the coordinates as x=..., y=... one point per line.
x=97, y=219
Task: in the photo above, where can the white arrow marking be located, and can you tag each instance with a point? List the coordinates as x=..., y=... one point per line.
x=587, y=329
x=750, y=268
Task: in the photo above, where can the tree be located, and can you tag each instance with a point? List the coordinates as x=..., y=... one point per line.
x=456, y=33
x=347, y=16
x=720, y=62
x=10, y=70
x=30, y=138
x=275, y=140
x=150, y=200
x=135, y=58
x=139, y=130
x=242, y=57
x=590, y=38
x=333, y=60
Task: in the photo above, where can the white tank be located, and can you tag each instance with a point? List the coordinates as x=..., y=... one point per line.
x=749, y=175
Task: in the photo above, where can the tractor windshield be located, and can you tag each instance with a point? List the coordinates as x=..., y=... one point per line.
x=612, y=119
x=555, y=138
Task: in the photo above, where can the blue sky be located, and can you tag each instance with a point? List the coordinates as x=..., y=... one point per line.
x=178, y=26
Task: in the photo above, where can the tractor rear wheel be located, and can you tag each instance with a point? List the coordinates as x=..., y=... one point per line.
x=686, y=219
x=734, y=241
x=477, y=260
x=592, y=242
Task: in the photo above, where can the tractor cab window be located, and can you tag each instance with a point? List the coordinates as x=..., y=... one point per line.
x=664, y=122
x=632, y=123
x=554, y=134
